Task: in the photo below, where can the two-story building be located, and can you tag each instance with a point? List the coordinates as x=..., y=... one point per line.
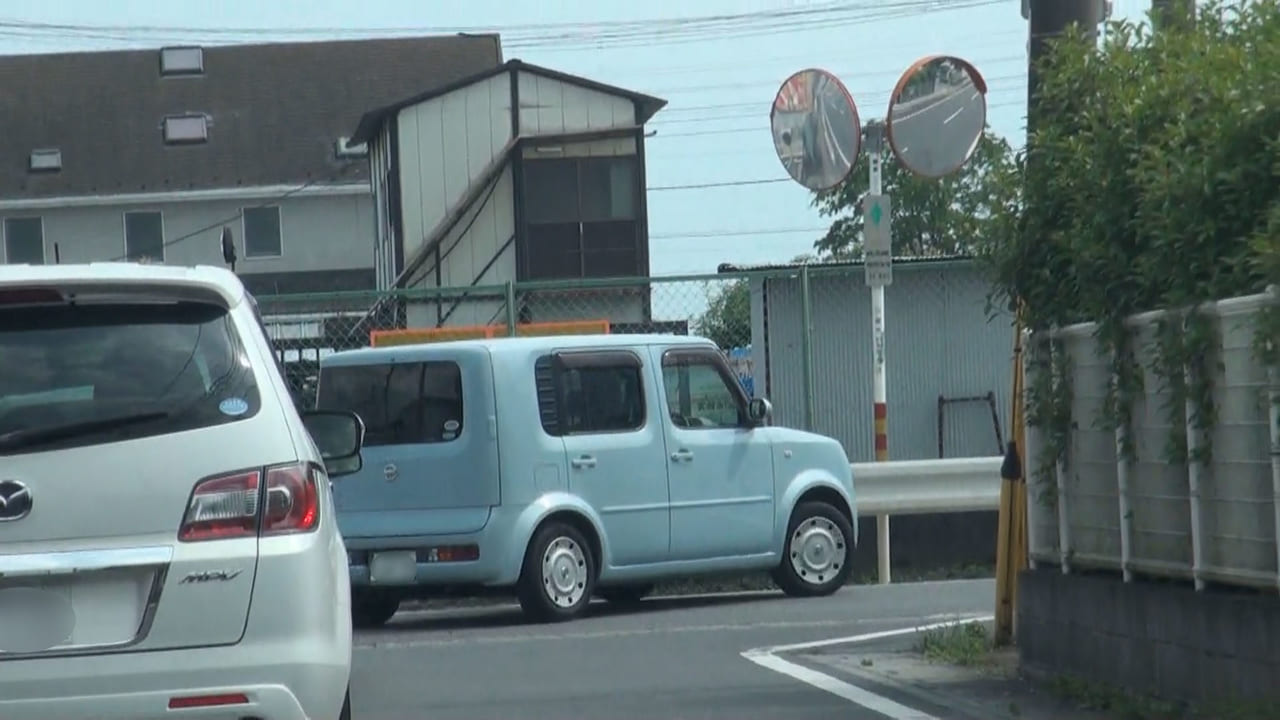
x=151, y=154
x=517, y=173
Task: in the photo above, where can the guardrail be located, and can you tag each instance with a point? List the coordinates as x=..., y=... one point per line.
x=918, y=487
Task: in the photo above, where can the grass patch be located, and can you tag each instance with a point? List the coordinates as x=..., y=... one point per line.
x=965, y=644
x=1127, y=705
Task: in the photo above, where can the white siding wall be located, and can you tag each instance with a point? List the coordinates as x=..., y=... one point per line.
x=317, y=233
x=384, y=257
x=445, y=144
x=549, y=107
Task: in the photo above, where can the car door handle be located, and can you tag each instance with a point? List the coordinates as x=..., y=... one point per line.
x=583, y=461
x=682, y=456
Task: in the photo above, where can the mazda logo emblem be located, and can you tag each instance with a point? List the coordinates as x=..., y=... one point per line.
x=390, y=472
x=15, y=500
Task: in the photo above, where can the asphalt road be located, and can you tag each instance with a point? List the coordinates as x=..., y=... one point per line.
x=668, y=659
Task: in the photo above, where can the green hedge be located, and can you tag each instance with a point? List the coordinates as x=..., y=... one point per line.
x=1152, y=181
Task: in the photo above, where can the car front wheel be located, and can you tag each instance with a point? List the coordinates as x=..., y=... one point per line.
x=815, y=559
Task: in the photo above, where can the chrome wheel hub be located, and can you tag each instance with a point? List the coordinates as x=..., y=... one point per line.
x=817, y=550
x=564, y=572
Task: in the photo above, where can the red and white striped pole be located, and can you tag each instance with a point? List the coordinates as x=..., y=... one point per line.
x=875, y=138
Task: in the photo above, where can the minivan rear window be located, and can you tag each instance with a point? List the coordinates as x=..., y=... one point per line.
x=77, y=375
x=401, y=404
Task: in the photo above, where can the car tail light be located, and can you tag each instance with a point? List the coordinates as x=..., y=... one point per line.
x=222, y=508
x=293, y=499
x=203, y=701
x=30, y=296
x=229, y=506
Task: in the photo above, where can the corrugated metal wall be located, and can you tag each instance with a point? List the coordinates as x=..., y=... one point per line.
x=939, y=342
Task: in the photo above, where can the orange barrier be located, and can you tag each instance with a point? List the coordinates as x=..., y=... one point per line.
x=414, y=336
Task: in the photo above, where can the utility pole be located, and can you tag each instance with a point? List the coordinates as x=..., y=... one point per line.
x=1173, y=14
x=1047, y=19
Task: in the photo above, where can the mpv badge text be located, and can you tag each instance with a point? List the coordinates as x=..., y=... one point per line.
x=15, y=500
x=211, y=576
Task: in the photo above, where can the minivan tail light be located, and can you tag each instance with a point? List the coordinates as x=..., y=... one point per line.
x=293, y=499
x=231, y=506
x=222, y=508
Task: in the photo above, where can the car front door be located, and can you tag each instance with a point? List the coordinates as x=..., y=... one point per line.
x=614, y=446
x=719, y=468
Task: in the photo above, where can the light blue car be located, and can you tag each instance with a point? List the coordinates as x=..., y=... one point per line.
x=572, y=466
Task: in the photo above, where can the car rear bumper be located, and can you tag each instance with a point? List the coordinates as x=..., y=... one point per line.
x=493, y=567
x=298, y=684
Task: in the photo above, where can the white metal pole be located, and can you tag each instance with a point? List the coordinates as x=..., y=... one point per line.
x=880, y=392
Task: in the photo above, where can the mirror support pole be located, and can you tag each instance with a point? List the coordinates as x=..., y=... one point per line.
x=880, y=390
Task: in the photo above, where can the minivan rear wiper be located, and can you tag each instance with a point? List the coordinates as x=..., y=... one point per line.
x=31, y=437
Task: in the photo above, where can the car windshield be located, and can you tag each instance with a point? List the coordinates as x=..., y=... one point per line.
x=68, y=373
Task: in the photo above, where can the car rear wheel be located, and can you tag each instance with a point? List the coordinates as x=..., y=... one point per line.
x=558, y=576
x=815, y=558
x=372, y=608
x=346, y=707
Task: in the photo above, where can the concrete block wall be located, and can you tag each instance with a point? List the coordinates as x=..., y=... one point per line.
x=1160, y=638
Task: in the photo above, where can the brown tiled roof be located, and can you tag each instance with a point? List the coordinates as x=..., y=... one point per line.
x=275, y=112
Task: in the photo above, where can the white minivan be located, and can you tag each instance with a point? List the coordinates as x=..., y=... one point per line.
x=168, y=541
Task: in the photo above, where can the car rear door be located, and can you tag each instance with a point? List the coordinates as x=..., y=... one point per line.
x=119, y=414
x=431, y=442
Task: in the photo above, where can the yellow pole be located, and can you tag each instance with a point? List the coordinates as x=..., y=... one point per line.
x=1011, y=546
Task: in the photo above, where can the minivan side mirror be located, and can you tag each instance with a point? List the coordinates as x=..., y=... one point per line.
x=759, y=411
x=340, y=437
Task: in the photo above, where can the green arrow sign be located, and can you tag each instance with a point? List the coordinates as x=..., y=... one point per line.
x=875, y=213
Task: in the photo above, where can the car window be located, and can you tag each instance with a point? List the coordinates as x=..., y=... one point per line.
x=401, y=404
x=600, y=399
x=181, y=363
x=700, y=393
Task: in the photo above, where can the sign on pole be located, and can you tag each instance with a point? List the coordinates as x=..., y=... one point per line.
x=877, y=240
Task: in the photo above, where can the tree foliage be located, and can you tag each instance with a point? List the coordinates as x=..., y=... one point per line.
x=1151, y=181
x=727, y=319
x=929, y=217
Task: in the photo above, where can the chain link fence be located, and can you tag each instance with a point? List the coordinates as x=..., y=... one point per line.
x=305, y=328
x=800, y=336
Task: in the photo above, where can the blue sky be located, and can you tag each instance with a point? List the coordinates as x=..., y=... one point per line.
x=716, y=127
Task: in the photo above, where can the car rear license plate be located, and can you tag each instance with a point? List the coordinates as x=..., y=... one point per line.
x=393, y=568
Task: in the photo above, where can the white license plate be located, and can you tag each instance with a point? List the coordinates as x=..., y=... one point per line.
x=393, y=568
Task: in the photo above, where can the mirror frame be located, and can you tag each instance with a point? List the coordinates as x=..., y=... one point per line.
x=357, y=456
x=978, y=81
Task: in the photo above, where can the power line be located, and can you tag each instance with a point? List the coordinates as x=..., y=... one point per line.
x=727, y=183
x=734, y=233
x=548, y=36
x=764, y=126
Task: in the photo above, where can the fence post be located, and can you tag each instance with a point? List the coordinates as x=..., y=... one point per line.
x=1273, y=417
x=511, y=309
x=1196, y=469
x=1057, y=349
x=806, y=345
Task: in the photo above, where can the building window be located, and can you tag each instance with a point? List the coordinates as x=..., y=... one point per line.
x=24, y=241
x=144, y=236
x=186, y=129
x=581, y=216
x=262, y=232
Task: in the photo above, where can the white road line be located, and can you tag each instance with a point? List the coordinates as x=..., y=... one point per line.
x=389, y=640
x=767, y=658
x=852, y=693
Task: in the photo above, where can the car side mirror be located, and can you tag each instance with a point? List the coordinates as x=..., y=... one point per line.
x=340, y=437
x=759, y=411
